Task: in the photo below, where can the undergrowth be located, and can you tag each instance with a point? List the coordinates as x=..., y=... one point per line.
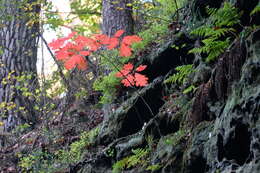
x=217, y=33
x=138, y=158
x=42, y=160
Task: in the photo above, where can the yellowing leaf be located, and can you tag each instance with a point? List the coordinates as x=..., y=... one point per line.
x=2, y=123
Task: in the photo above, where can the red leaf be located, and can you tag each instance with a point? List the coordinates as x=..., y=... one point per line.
x=71, y=35
x=82, y=64
x=141, y=68
x=140, y=79
x=85, y=53
x=92, y=44
x=76, y=61
x=131, y=79
x=103, y=39
x=128, y=66
x=125, y=71
x=128, y=81
x=113, y=42
x=119, y=33
x=71, y=62
x=129, y=40
x=57, y=44
x=125, y=50
x=73, y=47
x=62, y=55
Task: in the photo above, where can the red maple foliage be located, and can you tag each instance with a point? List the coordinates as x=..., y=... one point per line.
x=71, y=50
x=119, y=33
x=132, y=78
x=125, y=49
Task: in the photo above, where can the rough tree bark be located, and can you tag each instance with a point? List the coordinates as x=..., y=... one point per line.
x=117, y=15
x=18, y=44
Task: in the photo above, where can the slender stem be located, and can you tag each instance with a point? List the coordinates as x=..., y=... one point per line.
x=146, y=104
x=53, y=56
x=142, y=98
x=176, y=4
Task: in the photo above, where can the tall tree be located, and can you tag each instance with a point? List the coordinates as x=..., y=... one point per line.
x=18, y=44
x=116, y=15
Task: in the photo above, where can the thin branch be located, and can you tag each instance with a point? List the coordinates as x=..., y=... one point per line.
x=176, y=4
x=73, y=12
x=146, y=104
x=65, y=81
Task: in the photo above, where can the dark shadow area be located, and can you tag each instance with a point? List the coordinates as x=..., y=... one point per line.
x=168, y=126
x=141, y=111
x=152, y=100
x=200, y=7
x=238, y=146
x=220, y=147
x=170, y=58
x=197, y=165
x=247, y=7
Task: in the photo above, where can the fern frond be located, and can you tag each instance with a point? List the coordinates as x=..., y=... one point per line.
x=137, y=158
x=201, y=31
x=221, y=22
x=211, y=11
x=182, y=73
x=226, y=16
x=189, y=89
x=223, y=31
x=255, y=10
x=218, y=48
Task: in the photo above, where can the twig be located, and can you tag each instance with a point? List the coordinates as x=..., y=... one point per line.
x=53, y=56
x=146, y=104
x=65, y=81
x=176, y=4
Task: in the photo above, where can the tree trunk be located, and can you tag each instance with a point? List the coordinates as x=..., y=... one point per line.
x=18, y=55
x=117, y=15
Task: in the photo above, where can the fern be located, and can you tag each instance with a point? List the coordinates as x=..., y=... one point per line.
x=189, y=89
x=107, y=85
x=181, y=76
x=226, y=16
x=255, y=10
x=221, y=22
x=136, y=159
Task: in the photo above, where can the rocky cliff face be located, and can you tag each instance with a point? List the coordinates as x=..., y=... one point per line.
x=164, y=128
x=215, y=129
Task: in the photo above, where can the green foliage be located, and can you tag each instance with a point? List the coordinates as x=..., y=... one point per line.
x=256, y=9
x=1, y=49
x=21, y=84
x=88, y=12
x=44, y=161
x=110, y=61
x=107, y=85
x=221, y=23
x=154, y=167
x=77, y=148
x=157, y=17
x=138, y=158
x=182, y=74
x=111, y=152
x=150, y=141
x=175, y=138
x=22, y=128
x=181, y=77
x=38, y=161
x=81, y=93
x=153, y=34
x=189, y=89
